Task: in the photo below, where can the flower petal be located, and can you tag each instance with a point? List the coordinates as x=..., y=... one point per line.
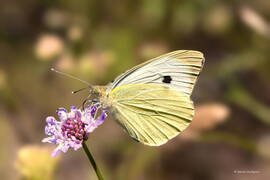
x=93, y=109
x=51, y=130
x=55, y=152
x=76, y=145
x=49, y=140
x=50, y=120
x=62, y=114
x=101, y=118
x=74, y=113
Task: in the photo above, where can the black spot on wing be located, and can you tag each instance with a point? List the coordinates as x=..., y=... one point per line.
x=167, y=79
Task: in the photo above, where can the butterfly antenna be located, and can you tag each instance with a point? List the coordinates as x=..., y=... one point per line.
x=73, y=77
x=73, y=92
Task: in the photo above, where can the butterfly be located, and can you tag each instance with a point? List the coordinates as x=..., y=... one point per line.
x=152, y=100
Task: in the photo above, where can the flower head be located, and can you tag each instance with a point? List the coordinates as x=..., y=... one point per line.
x=73, y=128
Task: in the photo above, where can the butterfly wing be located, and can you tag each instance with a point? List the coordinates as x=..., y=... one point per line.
x=178, y=70
x=151, y=113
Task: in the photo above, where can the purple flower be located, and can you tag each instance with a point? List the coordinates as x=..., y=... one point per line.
x=73, y=128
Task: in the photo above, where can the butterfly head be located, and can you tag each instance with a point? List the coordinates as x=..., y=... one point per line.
x=98, y=90
x=100, y=93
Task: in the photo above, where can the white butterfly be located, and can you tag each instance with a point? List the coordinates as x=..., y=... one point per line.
x=152, y=100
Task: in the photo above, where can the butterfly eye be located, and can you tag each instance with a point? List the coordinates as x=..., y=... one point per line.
x=167, y=79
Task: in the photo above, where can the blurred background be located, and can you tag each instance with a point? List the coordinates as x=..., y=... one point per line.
x=96, y=41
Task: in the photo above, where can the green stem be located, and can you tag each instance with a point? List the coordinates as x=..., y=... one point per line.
x=92, y=161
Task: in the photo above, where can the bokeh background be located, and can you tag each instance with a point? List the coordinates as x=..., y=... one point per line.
x=97, y=40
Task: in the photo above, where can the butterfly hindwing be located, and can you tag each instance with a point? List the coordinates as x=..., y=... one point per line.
x=151, y=113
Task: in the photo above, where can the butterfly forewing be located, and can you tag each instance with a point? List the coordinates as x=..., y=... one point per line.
x=177, y=70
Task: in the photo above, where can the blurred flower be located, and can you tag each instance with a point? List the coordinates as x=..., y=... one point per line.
x=218, y=19
x=96, y=62
x=73, y=128
x=75, y=33
x=48, y=46
x=153, y=49
x=66, y=62
x=255, y=21
x=206, y=117
x=34, y=162
x=264, y=146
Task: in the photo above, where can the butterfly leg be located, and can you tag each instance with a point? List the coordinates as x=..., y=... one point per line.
x=89, y=102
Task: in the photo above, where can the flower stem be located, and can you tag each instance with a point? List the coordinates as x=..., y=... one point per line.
x=92, y=161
